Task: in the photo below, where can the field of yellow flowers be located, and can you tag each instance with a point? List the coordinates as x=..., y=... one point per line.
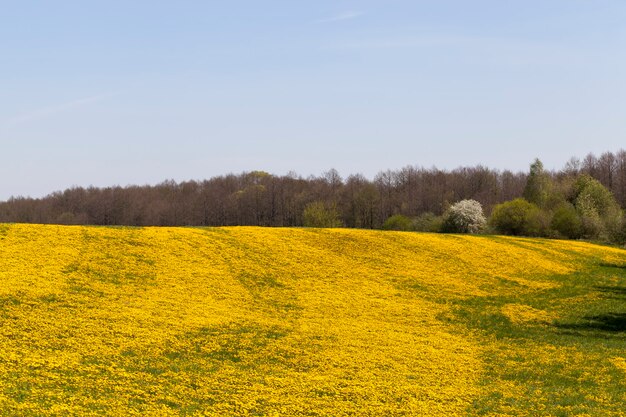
x=253, y=321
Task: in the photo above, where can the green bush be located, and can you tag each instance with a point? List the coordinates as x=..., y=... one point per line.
x=567, y=222
x=319, y=214
x=398, y=222
x=615, y=227
x=620, y=236
x=519, y=218
x=590, y=194
x=428, y=222
x=600, y=213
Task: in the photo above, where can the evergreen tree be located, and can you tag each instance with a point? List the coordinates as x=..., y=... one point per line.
x=538, y=186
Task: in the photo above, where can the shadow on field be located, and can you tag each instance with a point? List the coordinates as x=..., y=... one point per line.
x=606, y=324
x=613, y=265
x=610, y=323
x=611, y=292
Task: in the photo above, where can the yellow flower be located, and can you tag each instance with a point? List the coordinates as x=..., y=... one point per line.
x=253, y=321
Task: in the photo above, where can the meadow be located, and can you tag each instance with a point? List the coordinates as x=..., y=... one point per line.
x=248, y=321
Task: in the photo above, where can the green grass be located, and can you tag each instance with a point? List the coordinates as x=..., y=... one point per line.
x=590, y=327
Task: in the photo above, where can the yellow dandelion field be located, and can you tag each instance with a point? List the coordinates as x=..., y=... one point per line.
x=251, y=321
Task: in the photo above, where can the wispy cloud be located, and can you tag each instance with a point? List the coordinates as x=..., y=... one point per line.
x=59, y=108
x=409, y=42
x=351, y=14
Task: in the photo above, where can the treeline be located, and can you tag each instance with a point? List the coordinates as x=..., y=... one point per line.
x=574, y=206
x=259, y=198
x=570, y=204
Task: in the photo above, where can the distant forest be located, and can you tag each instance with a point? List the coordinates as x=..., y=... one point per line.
x=259, y=198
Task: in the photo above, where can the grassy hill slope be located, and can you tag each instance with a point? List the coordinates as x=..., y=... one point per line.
x=259, y=321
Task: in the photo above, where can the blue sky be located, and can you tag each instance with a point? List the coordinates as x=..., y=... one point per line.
x=134, y=92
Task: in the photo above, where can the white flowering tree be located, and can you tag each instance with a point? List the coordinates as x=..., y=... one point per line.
x=466, y=216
